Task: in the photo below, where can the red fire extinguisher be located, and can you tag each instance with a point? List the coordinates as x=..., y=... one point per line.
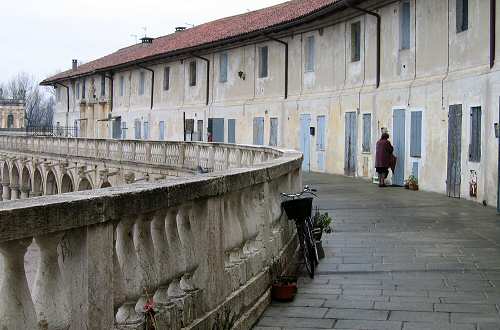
x=473, y=184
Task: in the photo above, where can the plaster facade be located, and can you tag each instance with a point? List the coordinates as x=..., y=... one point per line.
x=440, y=68
x=12, y=114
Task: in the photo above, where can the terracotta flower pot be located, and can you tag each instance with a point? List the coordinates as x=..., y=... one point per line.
x=284, y=289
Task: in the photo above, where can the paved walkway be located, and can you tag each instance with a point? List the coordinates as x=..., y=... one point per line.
x=398, y=259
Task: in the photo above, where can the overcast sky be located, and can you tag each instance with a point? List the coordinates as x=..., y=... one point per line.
x=42, y=36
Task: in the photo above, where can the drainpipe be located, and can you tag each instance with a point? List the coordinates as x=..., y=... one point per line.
x=492, y=31
x=152, y=82
x=67, y=102
x=379, y=20
x=111, y=91
x=286, y=61
x=208, y=74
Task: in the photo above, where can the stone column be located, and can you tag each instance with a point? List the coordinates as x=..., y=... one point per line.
x=14, y=192
x=25, y=192
x=5, y=191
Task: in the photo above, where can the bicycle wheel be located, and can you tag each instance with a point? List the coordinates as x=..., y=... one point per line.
x=307, y=249
x=314, y=250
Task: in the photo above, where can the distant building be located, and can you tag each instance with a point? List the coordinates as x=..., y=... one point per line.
x=12, y=114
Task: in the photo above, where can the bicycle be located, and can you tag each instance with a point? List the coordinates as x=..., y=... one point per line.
x=299, y=209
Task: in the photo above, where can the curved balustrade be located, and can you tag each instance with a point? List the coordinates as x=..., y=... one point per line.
x=191, y=245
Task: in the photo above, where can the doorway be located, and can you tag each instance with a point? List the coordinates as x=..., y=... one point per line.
x=399, y=141
x=454, y=165
x=351, y=138
x=305, y=141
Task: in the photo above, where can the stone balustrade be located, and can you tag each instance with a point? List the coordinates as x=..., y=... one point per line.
x=193, y=245
x=33, y=166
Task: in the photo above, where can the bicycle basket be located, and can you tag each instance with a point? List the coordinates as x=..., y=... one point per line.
x=299, y=208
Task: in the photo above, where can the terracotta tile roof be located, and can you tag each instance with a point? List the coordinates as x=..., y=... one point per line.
x=204, y=34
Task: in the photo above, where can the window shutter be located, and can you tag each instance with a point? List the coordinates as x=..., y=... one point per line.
x=310, y=54
x=367, y=132
x=223, y=67
x=416, y=134
x=405, y=25
x=162, y=131
x=475, y=143
x=273, y=138
x=263, y=62
x=166, y=78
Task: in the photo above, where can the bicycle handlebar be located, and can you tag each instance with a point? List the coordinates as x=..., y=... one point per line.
x=307, y=190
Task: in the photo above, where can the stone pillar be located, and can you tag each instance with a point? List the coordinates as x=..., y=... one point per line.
x=25, y=192
x=14, y=192
x=5, y=191
x=16, y=307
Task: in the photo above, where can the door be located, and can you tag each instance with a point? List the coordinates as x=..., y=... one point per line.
x=216, y=128
x=351, y=138
x=305, y=141
x=320, y=143
x=399, y=142
x=258, y=131
x=117, y=128
x=454, y=166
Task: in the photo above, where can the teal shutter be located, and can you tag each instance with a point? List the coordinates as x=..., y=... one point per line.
x=416, y=134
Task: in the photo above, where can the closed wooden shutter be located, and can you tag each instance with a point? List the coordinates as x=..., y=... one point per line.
x=475, y=139
x=416, y=134
x=367, y=132
x=223, y=67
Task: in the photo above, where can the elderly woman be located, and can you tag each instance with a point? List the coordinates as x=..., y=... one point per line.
x=384, y=158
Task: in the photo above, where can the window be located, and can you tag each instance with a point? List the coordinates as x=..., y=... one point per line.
x=146, y=130
x=258, y=131
x=142, y=79
x=462, y=15
x=137, y=129
x=161, y=135
x=122, y=85
x=310, y=54
x=192, y=73
x=231, y=131
x=83, y=89
x=355, y=41
x=124, y=129
x=166, y=78
x=103, y=85
x=367, y=132
x=223, y=67
x=73, y=88
x=58, y=94
x=77, y=90
x=199, y=126
x=263, y=62
x=405, y=18
x=416, y=134
x=273, y=137
x=475, y=135
x=10, y=120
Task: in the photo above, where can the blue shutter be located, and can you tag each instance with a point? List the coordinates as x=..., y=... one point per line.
x=416, y=134
x=310, y=54
x=273, y=136
x=475, y=141
x=367, y=132
x=231, y=130
x=162, y=131
x=405, y=24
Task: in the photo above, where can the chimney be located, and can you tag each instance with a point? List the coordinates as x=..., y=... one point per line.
x=146, y=40
x=74, y=64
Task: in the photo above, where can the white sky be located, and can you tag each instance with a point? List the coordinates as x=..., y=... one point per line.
x=41, y=37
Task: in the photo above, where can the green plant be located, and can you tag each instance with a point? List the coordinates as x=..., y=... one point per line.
x=224, y=320
x=412, y=180
x=323, y=221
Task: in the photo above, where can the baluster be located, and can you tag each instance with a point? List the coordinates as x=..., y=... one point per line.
x=6, y=191
x=16, y=307
x=14, y=191
x=49, y=295
x=127, y=260
x=145, y=255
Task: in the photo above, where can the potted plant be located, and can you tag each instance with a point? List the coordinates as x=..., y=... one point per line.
x=412, y=182
x=284, y=288
x=322, y=222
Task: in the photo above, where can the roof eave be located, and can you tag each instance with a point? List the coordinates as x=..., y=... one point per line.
x=251, y=35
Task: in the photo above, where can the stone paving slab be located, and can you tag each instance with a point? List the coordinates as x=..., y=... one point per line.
x=397, y=259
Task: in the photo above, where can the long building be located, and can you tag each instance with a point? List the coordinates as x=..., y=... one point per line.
x=322, y=76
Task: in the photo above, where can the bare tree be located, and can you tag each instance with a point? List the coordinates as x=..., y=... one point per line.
x=39, y=101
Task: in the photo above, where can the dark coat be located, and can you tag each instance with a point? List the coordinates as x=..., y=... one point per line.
x=383, y=156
